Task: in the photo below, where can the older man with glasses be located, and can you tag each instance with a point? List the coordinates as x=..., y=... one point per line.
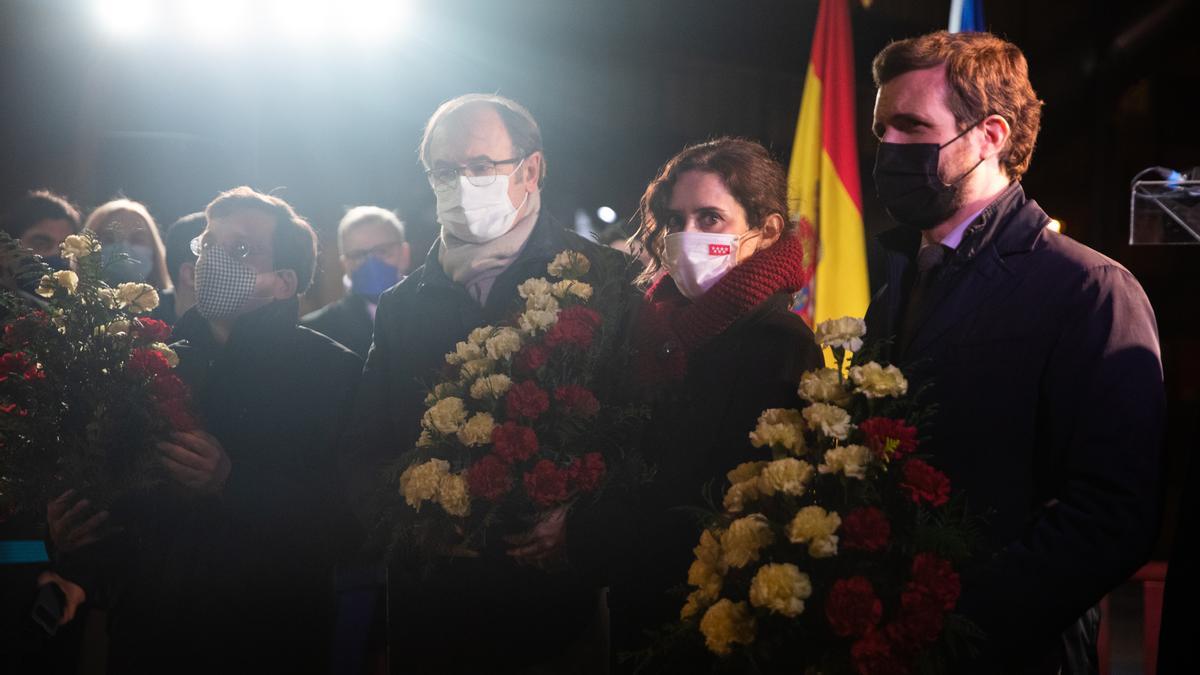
x=502, y=612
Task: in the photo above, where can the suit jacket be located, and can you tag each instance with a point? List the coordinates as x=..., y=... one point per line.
x=1042, y=358
x=346, y=320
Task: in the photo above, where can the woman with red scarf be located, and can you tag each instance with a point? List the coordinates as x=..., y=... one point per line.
x=717, y=343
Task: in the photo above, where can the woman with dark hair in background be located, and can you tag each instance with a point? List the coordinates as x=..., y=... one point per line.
x=41, y=220
x=132, y=247
x=717, y=344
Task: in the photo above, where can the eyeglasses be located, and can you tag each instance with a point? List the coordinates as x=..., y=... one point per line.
x=239, y=250
x=480, y=173
x=379, y=251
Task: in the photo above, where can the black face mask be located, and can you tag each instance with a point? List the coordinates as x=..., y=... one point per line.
x=908, y=184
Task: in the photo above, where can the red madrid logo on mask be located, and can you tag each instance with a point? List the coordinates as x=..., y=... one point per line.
x=718, y=249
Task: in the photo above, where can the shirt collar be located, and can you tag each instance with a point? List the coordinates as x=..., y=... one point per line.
x=954, y=239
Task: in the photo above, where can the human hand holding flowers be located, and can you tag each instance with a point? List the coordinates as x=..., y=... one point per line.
x=196, y=459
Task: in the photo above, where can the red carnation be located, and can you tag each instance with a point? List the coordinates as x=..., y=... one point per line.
x=576, y=326
x=889, y=438
x=148, y=362
x=866, y=529
x=489, y=478
x=531, y=358
x=12, y=409
x=925, y=483
x=514, y=443
x=852, y=606
x=546, y=485
x=13, y=363
x=875, y=654
x=921, y=617
x=577, y=400
x=587, y=472
x=150, y=330
x=526, y=400
x=937, y=577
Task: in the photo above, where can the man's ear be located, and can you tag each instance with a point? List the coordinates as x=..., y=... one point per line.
x=532, y=169
x=285, y=284
x=405, y=258
x=996, y=132
x=187, y=275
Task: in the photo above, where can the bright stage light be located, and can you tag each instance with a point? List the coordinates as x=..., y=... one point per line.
x=607, y=214
x=125, y=18
x=214, y=20
x=1054, y=225
x=371, y=19
x=302, y=19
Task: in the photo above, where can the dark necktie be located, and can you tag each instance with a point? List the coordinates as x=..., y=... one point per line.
x=930, y=260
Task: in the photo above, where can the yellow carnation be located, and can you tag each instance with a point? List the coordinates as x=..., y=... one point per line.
x=453, y=496
x=696, y=600
x=544, y=303
x=779, y=428
x=78, y=246
x=828, y=419
x=480, y=335
x=445, y=416
x=419, y=482
x=727, y=623
x=491, y=386
x=477, y=431
x=745, y=471
x=789, y=476
x=505, y=343
x=115, y=327
x=709, y=550
x=815, y=526
x=781, y=588
x=534, y=321
x=850, y=460
x=823, y=386
x=64, y=279
x=706, y=578
x=569, y=265
x=425, y=440
x=531, y=288
x=876, y=381
x=109, y=297
x=441, y=390
x=137, y=297
x=477, y=368
x=740, y=494
x=465, y=351
x=844, y=333
x=167, y=352
x=566, y=287
x=740, y=544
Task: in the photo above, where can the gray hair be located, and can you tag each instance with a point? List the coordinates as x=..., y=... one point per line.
x=368, y=214
x=522, y=128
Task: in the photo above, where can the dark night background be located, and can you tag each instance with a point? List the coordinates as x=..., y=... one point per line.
x=618, y=87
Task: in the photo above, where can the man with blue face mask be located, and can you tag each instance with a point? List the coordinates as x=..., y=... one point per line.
x=484, y=162
x=227, y=568
x=1040, y=354
x=375, y=257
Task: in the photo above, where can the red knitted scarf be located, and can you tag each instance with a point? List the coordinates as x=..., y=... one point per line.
x=670, y=326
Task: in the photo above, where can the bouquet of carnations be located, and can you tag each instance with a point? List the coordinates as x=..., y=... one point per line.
x=86, y=382
x=839, y=550
x=526, y=419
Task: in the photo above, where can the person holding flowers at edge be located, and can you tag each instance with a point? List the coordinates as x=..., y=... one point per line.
x=225, y=568
x=716, y=344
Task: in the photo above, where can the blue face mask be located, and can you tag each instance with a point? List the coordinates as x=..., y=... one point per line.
x=372, y=278
x=126, y=262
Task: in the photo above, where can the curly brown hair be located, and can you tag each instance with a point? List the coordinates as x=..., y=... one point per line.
x=986, y=75
x=756, y=181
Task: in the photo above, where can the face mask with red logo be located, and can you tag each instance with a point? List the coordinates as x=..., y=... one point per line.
x=697, y=260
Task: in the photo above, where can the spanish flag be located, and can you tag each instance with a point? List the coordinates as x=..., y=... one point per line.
x=823, y=184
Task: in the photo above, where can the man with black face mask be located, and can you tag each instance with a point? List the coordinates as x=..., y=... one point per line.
x=1040, y=354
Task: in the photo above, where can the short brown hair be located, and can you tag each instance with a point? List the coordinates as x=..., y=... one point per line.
x=756, y=181
x=522, y=128
x=36, y=206
x=986, y=76
x=294, y=241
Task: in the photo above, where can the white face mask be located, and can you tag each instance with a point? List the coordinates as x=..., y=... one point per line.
x=697, y=260
x=477, y=214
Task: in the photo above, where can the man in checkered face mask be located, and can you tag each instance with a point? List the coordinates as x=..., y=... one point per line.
x=230, y=571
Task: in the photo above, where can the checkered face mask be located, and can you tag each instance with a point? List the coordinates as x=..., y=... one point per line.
x=223, y=284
